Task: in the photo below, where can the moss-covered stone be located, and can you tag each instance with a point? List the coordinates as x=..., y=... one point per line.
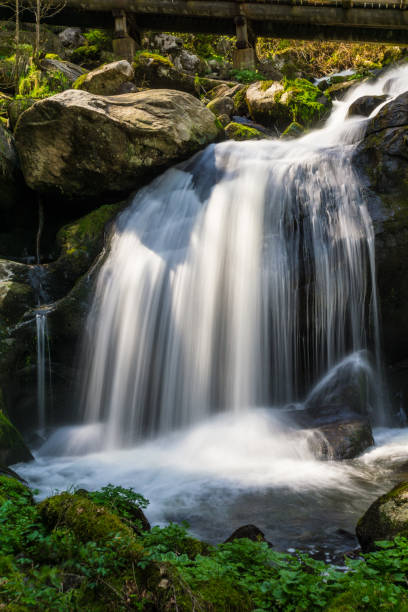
x=79, y=243
x=294, y=130
x=240, y=132
x=88, y=521
x=386, y=518
x=240, y=103
x=15, y=299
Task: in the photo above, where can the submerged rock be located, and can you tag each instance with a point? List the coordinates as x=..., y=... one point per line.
x=240, y=132
x=386, y=518
x=78, y=144
x=343, y=440
x=106, y=80
x=342, y=394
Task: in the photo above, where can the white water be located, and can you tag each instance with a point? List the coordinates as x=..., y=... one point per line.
x=234, y=280
x=43, y=368
x=198, y=311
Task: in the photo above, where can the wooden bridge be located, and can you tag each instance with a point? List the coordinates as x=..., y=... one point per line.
x=348, y=20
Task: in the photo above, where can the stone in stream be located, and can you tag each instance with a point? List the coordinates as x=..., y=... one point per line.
x=250, y=532
x=385, y=519
x=365, y=105
x=77, y=144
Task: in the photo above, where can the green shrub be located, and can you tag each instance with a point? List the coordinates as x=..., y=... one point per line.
x=247, y=76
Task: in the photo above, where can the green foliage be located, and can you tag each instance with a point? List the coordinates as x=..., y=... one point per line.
x=154, y=58
x=38, y=84
x=85, y=54
x=247, y=76
x=99, y=39
x=68, y=562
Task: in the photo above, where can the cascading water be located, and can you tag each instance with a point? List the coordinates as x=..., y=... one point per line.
x=234, y=280
x=43, y=367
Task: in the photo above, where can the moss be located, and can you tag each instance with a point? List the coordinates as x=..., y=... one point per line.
x=294, y=130
x=303, y=100
x=11, y=488
x=240, y=103
x=88, y=521
x=80, y=81
x=152, y=58
x=223, y=595
x=53, y=56
x=85, y=54
x=239, y=132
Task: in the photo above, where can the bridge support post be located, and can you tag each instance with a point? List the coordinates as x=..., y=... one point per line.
x=123, y=45
x=244, y=56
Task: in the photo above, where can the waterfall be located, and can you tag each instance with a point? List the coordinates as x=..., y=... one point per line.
x=234, y=280
x=43, y=367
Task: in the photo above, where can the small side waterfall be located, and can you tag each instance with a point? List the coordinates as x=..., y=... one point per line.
x=234, y=280
x=44, y=381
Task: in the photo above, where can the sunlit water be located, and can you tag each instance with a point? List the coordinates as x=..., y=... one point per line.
x=233, y=283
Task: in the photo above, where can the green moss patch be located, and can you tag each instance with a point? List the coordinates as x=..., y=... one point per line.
x=239, y=132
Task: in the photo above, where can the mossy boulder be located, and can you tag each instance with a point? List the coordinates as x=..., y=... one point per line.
x=278, y=104
x=222, y=105
x=240, y=132
x=294, y=130
x=12, y=488
x=12, y=446
x=77, y=144
x=15, y=299
x=385, y=519
x=88, y=521
x=79, y=244
x=106, y=80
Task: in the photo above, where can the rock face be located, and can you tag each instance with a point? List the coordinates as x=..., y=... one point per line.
x=107, y=80
x=12, y=447
x=381, y=161
x=386, y=518
x=78, y=144
x=365, y=105
x=10, y=175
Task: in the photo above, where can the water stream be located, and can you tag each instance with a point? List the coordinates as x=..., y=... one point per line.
x=234, y=282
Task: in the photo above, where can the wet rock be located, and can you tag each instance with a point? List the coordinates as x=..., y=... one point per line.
x=221, y=106
x=77, y=144
x=339, y=90
x=294, y=130
x=71, y=38
x=343, y=440
x=106, y=80
x=365, y=105
x=343, y=394
x=251, y=532
x=385, y=519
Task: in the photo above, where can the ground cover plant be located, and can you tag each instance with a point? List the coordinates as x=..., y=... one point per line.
x=80, y=550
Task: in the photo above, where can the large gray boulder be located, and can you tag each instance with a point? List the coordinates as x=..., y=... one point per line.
x=386, y=518
x=78, y=144
x=71, y=38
